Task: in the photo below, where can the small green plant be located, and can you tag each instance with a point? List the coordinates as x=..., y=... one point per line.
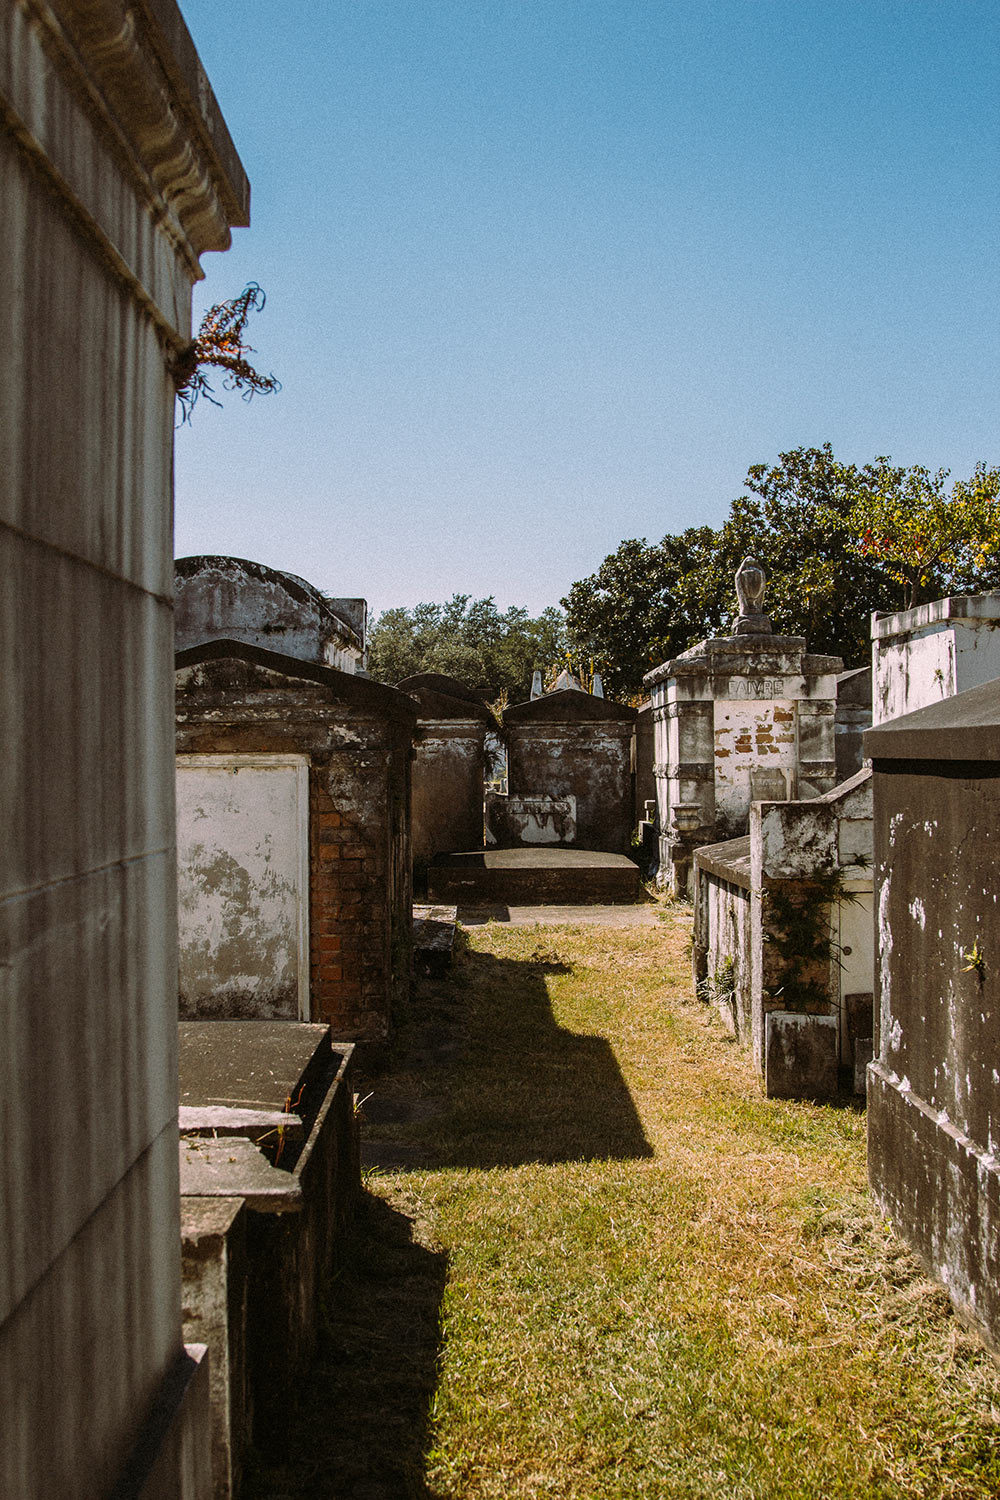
x=719, y=988
x=974, y=960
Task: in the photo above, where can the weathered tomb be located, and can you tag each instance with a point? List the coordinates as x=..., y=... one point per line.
x=568, y=773
x=811, y=939
x=782, y=939
x=740, y=718
x=931, y=652
x=434, y=929
x=934, y=1088
x=235, y=599
x=918, y=656
x=294, y=865
x=448, y=767
x=264, y=1214
x=116, y=174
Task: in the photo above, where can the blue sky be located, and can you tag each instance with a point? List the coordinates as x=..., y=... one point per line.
x=546, y=274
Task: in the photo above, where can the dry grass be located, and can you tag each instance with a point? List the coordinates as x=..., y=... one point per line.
x=606, y=1267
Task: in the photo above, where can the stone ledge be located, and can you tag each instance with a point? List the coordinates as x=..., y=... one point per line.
x=941, y=1190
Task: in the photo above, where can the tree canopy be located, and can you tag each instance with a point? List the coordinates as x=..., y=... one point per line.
x=930, y=541
x=469, y=639
x=836, y=540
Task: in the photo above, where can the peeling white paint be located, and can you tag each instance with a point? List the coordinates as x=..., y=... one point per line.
x=243, y=885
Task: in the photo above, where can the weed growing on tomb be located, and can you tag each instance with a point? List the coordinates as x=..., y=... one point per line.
x=799, y=931
x=609, y=1269
x=219, y=345
x=719, y=988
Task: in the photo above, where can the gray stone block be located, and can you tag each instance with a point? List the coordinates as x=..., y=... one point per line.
x=862, y=1057
x=800, y=1057
x=214, y=1262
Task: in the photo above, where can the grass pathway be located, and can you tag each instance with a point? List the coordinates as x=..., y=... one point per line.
x=596, y=1263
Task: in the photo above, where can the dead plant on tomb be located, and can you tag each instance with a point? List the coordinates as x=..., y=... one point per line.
x=220, y=345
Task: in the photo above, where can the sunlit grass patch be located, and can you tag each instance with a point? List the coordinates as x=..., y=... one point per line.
x=658, y=1283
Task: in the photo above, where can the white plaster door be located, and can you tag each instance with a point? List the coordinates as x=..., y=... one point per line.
x=243, y=886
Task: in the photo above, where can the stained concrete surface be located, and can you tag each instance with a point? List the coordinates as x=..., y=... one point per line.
x=249, y=1064
x=646, y=914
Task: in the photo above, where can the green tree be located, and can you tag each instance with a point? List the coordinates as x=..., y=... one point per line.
x=469, y=639
x=640, y=607
x=648, y=602
x=794, y=521
x=929, y=540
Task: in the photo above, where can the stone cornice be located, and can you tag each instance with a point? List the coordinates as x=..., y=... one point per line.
x=132, y=69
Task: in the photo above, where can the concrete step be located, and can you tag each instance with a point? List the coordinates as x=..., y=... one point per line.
x=534, y=877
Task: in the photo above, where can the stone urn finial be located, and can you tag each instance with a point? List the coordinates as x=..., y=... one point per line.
x=751, y=581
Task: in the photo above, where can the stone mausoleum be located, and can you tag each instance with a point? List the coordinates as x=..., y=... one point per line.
x=261, y=606
x=293, y=840
x=449, y=765
x=933, y=1087
x=116, y=174
x=933, y=651
x=569, y=772
x=738, y=719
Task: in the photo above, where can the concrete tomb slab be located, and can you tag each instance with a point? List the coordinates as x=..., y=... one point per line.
x=800, y=1056
x=215, y=1280
x=434, y=937
x=298, y=1205
x=255, y=1124
x=255, y=1065
x=538, y=876
x=236, y=1167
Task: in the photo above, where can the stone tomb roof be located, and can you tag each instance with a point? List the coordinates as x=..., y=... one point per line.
x=855, y=686
x=567, y=706
x=769, y=655
x=965, y=727
x=438, y=704
x=234, y=668
x=440, y=682
x=234, y=598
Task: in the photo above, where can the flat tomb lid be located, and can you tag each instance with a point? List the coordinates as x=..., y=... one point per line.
x=965, y=727
x=249, y=1064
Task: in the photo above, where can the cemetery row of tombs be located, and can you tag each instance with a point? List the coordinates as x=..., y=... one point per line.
x=307, y=796
x=787, y=797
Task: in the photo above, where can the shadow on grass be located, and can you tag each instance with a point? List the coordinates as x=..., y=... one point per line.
x=482, y=1076
x=360, y=1426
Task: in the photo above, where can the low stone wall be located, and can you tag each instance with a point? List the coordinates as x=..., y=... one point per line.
x=783, y=937
x=721, y=955
x=262, y=1229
